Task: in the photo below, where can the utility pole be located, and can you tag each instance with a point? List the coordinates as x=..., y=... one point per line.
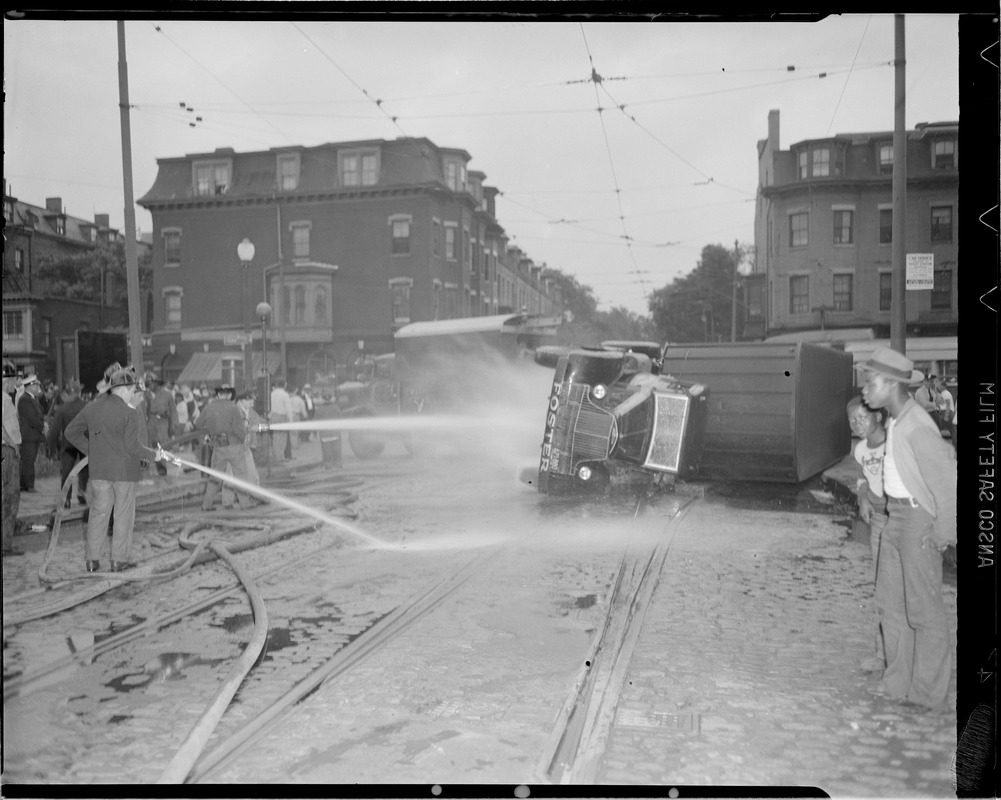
x=131, y=251
x=733, y=300
x=898, y=282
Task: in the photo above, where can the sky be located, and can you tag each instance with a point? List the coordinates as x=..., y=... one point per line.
x=623, y=199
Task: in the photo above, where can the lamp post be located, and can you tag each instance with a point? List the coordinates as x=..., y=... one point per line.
x=264, y=312
x=245, y=252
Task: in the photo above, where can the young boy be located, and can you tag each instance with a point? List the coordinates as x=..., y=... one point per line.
x=868, y=426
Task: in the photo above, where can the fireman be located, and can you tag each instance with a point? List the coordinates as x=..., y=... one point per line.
x=223, y=423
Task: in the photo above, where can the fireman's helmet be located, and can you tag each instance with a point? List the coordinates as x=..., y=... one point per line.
x=151, y=378
x=123, y=377
x=9, y=370
x=225, y=388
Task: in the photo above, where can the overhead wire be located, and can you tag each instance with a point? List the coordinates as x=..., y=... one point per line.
x=849, y=75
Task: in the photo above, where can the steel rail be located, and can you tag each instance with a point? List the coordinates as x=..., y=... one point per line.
x=374, y=638
x=574, y=749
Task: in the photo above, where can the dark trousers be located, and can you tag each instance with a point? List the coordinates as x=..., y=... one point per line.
x=67, y=460
x=11, y=494
x=29, y=452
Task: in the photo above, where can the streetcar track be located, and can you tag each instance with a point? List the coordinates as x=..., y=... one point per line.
x=584, y=723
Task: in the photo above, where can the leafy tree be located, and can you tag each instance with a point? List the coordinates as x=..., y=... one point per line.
x=697, y=307
x=79, y=277
x=577, y=298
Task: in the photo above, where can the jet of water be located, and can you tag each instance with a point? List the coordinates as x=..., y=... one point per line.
x=251, y=488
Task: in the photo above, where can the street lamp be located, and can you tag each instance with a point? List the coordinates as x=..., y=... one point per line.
x=264, y=312
x=245, y=252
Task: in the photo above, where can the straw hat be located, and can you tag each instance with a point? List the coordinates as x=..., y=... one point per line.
x=893, y=365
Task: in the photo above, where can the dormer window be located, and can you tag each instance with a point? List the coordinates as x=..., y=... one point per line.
x=212, y=177
x=820, y=161
x=455, y=175
x=288, y=171
x=943, y=154
x=886, y=159
x=60, y=225
x=359, y=168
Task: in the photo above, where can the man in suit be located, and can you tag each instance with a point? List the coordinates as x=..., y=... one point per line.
x=64, y=414
x=32, y=420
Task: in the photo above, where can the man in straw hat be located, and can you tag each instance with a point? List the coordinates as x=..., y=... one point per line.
x=919, y=480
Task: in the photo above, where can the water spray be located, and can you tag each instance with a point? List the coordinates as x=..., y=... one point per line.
x=251, y=488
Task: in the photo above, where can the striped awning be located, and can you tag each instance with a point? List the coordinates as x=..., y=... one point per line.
x=207, y=367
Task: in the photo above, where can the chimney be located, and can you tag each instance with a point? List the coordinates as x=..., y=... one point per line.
x=54, y=204
x=102, y=220
x=773, y=129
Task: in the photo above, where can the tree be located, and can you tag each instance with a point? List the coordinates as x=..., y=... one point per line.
x=697, y=307
x=80, y=277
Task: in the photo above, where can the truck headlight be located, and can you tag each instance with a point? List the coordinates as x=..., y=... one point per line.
x=599, y=391
x=585, y=473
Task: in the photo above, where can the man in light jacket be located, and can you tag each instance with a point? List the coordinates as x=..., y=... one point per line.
x=919, y=480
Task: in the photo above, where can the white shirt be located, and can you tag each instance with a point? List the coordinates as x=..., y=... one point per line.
x=281, y=405
x=893, y=485
x=298, y=407
x=871, y=459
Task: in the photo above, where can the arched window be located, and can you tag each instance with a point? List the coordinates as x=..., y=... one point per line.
x=300, y=304
x=320, y=307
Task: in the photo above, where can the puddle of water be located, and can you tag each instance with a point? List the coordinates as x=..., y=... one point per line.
x=587, y=601
x=165, y=667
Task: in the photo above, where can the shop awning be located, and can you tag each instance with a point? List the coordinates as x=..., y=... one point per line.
x=207, y=367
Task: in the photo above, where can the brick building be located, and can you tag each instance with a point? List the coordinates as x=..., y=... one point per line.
x=351, y=240
x=39, y=327
x=823, y=232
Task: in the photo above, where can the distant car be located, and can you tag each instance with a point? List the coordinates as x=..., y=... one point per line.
x=613, y=418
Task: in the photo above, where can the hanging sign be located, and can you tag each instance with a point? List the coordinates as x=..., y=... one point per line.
x=920, y=271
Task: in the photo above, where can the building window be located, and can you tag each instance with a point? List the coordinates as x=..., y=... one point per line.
x=288, y=171
x=886, y=226
x=435, y=238
x=19, y=260
x=455, y=175
x=401, y=300
x=359, y=168
x=798, y=229
x=232, y=371
x=172, y=308
x=13, y=325
x=300, y=305
x=211, y=177
x=821, y=162
x=843, y=292
x=885, y=290
x=799, y=294
x=300, y=240
x=60, y=223
x=943, y=154
x=320, y=306
x=886, y=159
x=401, y=236
x=172, y=247
x=941, y=293
x=47, y=331
x=449, y=243
x=843, y=227
x=286, y=304
x=369, y=169
x=466, y=249
x=941, y=223
x=804, y=165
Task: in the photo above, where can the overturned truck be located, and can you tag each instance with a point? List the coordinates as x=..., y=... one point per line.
x=732, y=412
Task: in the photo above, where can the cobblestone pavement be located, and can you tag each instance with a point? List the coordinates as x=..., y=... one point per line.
x=749, y=669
